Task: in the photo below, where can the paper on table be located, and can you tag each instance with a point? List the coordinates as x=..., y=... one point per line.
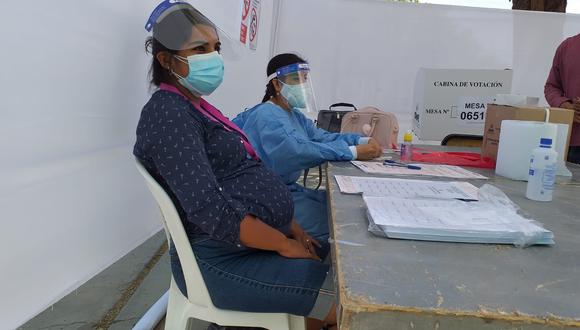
x=406, y=188
x=454, y=221
x=448, y=171
x=403, y=211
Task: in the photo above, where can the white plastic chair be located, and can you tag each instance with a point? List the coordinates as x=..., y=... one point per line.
x=199, y=305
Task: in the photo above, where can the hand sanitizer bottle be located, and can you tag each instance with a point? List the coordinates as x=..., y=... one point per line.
x=542, y=175
x=407, y=147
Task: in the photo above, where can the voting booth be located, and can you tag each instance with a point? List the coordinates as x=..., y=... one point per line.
x=454, y=101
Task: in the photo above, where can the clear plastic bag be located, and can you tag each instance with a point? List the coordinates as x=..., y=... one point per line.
x=493, y=219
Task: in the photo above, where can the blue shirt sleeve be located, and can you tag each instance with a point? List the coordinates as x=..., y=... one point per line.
x=285, y=149
x=178, y=151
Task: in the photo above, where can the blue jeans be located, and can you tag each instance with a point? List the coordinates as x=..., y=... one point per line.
x=251, y=280
x=310, y=210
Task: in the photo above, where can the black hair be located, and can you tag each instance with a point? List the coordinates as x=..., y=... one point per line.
x=277, y=62
x=176, y=28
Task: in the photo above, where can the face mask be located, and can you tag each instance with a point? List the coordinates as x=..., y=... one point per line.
x=206, y=73
x=293, y=95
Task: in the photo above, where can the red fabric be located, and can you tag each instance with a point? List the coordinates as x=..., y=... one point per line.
x=563, y=84
x=469, y=159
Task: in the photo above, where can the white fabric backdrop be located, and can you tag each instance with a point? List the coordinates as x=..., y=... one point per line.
x=74, y=80
x=368, y=52
x=245, y=79
x=73, y=83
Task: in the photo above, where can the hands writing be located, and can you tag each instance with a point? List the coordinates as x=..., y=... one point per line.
x=369, y=151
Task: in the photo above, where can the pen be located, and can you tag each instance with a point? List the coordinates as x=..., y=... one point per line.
x=389, y=162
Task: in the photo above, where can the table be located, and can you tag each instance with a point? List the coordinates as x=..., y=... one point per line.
x=401, y=284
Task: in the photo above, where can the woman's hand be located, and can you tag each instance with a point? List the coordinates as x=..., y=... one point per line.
x=296, y=250
x=297, y=233
x=258, y=235
x=369, y=151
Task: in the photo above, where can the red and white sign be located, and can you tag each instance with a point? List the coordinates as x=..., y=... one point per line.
x=245, y=19
x=254, y=23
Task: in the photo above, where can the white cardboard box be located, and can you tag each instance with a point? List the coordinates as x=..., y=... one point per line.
x=454, y=101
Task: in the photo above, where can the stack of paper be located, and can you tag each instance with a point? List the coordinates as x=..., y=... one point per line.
x=454, y=221
x=406, y=188
x=446, y=171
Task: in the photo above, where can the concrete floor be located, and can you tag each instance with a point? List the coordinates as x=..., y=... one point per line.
x=117, y=297
x=88, y=306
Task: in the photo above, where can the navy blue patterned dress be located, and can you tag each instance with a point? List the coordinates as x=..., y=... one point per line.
x=214, y=184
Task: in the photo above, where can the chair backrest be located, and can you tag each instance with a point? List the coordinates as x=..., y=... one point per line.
x=462, y=140
x=196, y=290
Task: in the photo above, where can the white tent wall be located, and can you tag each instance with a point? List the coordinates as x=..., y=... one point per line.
x=73, y=83
x=368, y=52
x=74, y=80
x=245, y=78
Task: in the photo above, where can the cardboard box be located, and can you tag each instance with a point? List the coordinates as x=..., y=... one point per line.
x=454, y=101
x=497, y=113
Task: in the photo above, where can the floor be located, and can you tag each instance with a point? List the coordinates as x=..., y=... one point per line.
x=118, y=297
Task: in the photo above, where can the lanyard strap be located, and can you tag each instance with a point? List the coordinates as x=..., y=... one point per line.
x=213, y=114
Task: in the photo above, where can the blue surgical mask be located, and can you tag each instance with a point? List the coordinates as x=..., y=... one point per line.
x=206, y=73
x=294, y=95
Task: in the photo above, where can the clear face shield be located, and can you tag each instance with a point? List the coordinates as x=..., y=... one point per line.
x=297, y=88
x=177, y=25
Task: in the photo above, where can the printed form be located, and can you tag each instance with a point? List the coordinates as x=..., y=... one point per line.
x=405, y=188
x=446, y=171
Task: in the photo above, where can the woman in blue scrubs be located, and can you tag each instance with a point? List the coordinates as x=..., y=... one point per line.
x=288, y=142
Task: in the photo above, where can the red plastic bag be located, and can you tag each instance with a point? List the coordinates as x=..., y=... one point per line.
x=470, y=159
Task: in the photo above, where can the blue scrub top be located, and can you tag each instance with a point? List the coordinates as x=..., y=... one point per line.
x=288, y=142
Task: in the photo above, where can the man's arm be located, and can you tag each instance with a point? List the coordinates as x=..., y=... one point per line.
x=553, y=89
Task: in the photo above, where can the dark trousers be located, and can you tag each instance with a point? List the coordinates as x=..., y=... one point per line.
x=574, y=155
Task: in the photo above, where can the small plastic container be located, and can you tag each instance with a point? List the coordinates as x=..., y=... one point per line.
x=407, y=147
x=542, y=175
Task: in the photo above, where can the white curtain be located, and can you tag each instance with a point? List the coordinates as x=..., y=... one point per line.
x=73, y=82
x=369, y=52
x=245, y=77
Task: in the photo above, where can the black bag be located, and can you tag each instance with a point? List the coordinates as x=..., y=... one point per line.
x=330, y=120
